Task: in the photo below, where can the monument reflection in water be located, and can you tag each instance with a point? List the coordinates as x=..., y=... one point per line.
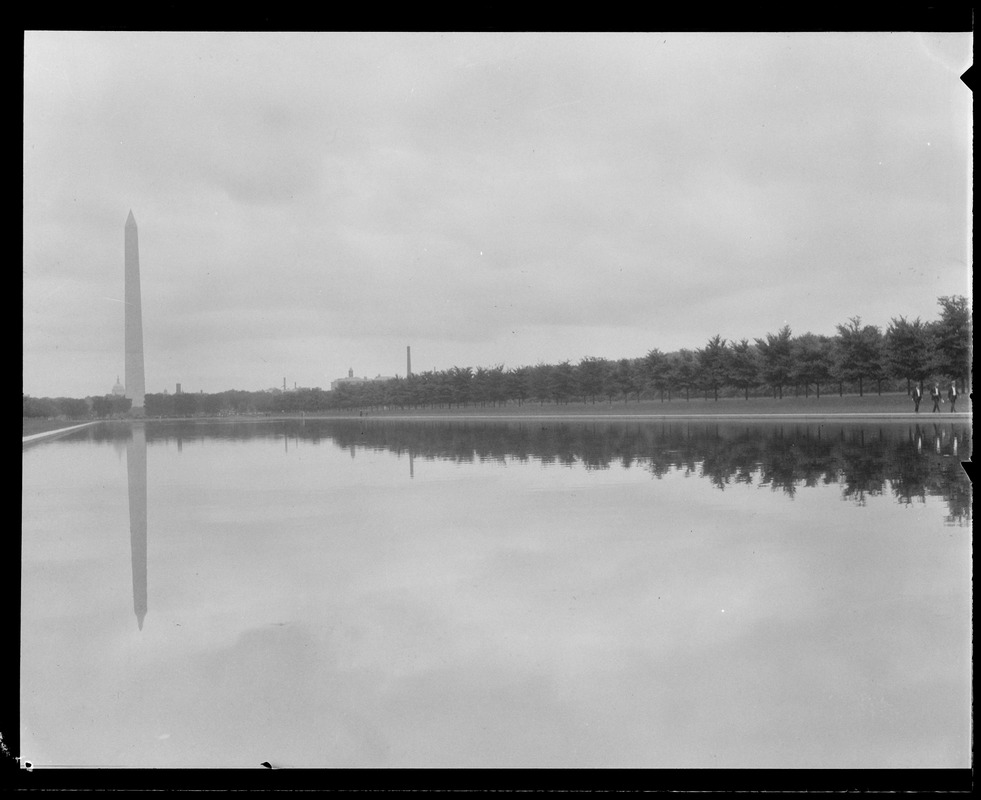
x=136, y=482
x=384, y=593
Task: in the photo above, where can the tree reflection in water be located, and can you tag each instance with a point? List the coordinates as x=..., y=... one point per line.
x=909, y=460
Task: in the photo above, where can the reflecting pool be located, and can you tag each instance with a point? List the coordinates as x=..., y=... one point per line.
x=547, y=593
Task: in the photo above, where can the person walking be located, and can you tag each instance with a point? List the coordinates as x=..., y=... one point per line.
x=935, y=396
x=952, y=396
x=917, y=397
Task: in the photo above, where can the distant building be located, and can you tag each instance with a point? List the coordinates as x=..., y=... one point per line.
x=118, y=390
x=178, y=389
x=350, y=380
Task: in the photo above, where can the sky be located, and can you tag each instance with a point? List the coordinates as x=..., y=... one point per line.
x=310, y=203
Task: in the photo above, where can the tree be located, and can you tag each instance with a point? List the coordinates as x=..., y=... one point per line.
x=591, y=374
x=684, y=371
x=72, y=408
x=712, y=362
x=538, y=382
x=158, y=405
x=638, y=377
x=561, y=382
x=102, y=406
x=776, y=358
x=625, y=379
x=744, y=365
x=120, y=405
x=952, y=339
x=481, y=385
x=185, y=404
x=875, y=342
x=657, y=370
x=516, y=384
x=397, y=392
x=39, y=407
x=262, y=401
x=824, y=366
x=211, y=403
x=496, y=384
x=610, y=386
x=908, y=350
x=859, y=352
x=443, y=387
x=810, y=361
x=461, y=384
x=425, y=388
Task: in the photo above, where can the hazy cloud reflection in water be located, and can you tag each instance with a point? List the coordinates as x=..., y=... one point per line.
x=498, y=594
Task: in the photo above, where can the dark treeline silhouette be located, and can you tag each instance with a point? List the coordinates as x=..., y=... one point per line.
x=907, y=353
x=910, y=461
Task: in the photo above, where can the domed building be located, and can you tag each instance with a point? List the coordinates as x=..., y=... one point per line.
x=118, y=390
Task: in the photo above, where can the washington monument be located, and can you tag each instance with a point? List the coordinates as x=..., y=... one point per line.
x=135, y=382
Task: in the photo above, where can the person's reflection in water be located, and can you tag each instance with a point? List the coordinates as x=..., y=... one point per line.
x=136, y=480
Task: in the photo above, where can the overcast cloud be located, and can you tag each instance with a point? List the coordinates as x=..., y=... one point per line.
x=309, y=203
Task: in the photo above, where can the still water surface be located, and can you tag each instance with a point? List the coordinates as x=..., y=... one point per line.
x=497, y=594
